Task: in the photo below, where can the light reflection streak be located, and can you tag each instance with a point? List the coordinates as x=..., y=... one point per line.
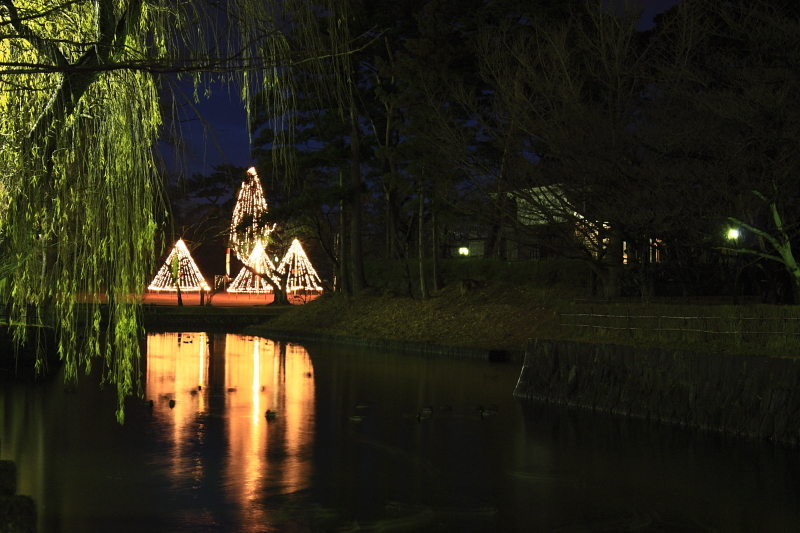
x=256, y=383
x=175, y=361
x=298, y=409
x=202, y=369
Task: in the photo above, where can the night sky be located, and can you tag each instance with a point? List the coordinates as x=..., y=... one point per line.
x=225, y=140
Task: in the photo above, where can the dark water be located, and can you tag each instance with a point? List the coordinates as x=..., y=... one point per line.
x=213, y=462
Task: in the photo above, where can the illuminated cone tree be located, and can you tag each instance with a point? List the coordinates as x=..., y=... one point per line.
x=249, y=281
x=301, y=274
x=248, y=224
x=179, y=272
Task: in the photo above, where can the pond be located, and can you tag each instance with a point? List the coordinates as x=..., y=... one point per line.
x=368, y=441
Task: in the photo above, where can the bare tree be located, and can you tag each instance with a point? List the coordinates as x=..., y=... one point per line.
x=728, y=73
x=560, y=110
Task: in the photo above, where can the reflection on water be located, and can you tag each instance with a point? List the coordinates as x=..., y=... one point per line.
x=241, y=377
x=368, y=441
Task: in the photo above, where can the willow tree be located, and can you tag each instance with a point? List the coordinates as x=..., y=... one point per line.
x=80, y=82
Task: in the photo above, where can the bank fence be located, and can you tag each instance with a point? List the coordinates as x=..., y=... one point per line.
x=30, y=315
x=762, y=326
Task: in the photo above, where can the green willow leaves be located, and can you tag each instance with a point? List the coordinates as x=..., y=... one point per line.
x=81, y=83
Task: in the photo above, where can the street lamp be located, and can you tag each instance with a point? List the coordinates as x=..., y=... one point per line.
x=733, y=234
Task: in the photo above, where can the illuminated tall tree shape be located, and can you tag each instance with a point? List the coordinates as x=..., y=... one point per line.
x=248, y=224
x=301, y=274
x=248, y=281
x=186, y=276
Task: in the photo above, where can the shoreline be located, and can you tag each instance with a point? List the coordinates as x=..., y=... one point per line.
x=739, y=394
x=744, y=395
x=458, y=352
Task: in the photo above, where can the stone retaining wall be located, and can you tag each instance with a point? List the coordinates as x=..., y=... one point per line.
x=17, y=513
x=738, y=394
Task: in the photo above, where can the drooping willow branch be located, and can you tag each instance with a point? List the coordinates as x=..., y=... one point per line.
x=80, y=198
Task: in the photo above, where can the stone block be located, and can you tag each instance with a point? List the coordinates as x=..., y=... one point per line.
x=743, y=395
x=781, y=425
x=8, y=478
x=732, y=419
x=17, y=514
x=767, y=427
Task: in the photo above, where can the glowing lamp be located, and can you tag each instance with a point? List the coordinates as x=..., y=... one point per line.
x=463, y=251
x=733, y=234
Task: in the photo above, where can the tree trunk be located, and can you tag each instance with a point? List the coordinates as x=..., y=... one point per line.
x=497, y=242
x=781, y=243
x=646, y=277
x=356, y=251
x=502, y=217
x=281, y=298
x=592, y=282
x=389, y=226
x=392, y=245
x=65, y=99
x=612, y=261
x=344, y=274
x=795, y=291
x=437, y=278
x=423, y=282
x=176, y=278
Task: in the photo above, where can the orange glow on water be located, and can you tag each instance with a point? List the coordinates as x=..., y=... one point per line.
x=201, y=377
x=176, y=365
x=240, y=378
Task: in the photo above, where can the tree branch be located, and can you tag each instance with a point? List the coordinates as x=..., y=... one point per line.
x=751, y=252
x=41, y=14
x=66, y=97
x=772, y=240
x=44, y=46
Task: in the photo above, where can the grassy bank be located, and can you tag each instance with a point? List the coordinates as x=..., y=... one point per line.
x=543, y=302
x=499, y=316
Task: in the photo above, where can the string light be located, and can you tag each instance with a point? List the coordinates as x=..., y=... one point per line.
x=247, y=224
x=189, y=276
x=302, y=275
x=249, y=234
x=247, y=281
